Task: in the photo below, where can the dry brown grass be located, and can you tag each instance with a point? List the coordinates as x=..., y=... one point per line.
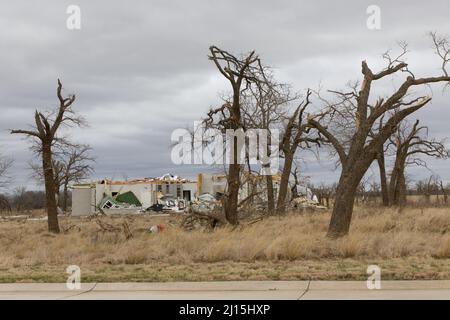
x=412, y=244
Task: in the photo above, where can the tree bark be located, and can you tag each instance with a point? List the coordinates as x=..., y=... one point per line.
x=270, y=194
x=346, y=191
x=343, y=208
x=284, y=183
x=401, y=186
x=383, y=178
x=50, y=194
x=397, y=185
x=231, y=203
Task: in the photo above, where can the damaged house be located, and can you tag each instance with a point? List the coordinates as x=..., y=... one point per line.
x=135, y=194
x=168, y=190
x=252, y=185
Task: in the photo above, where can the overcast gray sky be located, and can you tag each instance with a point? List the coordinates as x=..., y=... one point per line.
x=140, y=68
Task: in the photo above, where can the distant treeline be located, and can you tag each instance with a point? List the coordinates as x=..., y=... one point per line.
x=23, y=201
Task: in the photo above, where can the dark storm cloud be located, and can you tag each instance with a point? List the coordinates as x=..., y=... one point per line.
x=140, y=69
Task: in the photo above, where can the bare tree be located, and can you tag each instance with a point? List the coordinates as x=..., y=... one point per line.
x=71, y=164
x=241, y=73
x=444, y=191
x=22, y=200
x=45, y=132
x=266, y=106
x=296, y=132
x=296, y=175
x=381, y=161
x=324, y=193
x=357, y=153
x=411, y=143
x=427, y=187
x=5, y=165
x=442, y=49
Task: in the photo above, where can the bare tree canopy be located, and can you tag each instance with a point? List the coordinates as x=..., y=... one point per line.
x=45, y=132
x=266, y=106
x=296, y=134
x=349, y=124
x=241, y=73
x=5, y=165
x=411, y=146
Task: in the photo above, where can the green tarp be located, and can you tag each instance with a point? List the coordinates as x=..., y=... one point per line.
x=129, y=197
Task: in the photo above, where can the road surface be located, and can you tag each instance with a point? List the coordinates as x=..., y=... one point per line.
x=240, y=290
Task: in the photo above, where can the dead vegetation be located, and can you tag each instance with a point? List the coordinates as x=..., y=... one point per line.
x=385, y=236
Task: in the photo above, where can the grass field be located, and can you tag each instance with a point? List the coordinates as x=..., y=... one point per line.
x=412, y=244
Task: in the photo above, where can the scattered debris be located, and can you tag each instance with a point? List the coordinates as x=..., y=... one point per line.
x=107, y=227
x=301, y=203
x=207, y=222
x=156, y=228
x=126, y=230
x=206, y=203
x=207, y=197
x=157, y=207
x=132, y=196
x=109, y=203
x=66, y=229
x=205, y=213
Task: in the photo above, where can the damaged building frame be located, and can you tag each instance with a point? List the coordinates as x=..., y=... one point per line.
x=173, y=192
x=89, y=198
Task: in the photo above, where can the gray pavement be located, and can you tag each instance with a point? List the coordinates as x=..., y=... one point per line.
x=240, y=290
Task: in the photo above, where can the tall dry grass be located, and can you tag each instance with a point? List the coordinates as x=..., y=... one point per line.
x=375, y=233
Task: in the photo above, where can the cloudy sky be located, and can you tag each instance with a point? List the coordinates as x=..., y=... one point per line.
x=140, y=69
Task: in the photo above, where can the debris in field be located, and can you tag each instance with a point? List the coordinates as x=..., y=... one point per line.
x=206, y=203
x=156, y=228
x=66, y=229
x=196, y=221
x=204, y=213
x=304, y=203
x=107, y=227
x=157, y=207
x=110, y=203
x=207, y=197
x=126, y=230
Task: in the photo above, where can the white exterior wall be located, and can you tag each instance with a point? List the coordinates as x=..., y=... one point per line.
x=192, y=187
x=212, y=184
x=83, y=201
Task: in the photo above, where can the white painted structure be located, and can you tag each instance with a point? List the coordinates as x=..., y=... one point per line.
x=87, y=197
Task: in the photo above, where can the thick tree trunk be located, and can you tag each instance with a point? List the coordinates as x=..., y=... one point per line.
x=341, y=216
x=383, y=178
x=231, y=203
x=393, y=189
x=50, y=194
x=395, y=174
x=342, y=209
x=270, y=195
x=269, y=181
x=284, y=183
x=397, y=185
x=401, y=192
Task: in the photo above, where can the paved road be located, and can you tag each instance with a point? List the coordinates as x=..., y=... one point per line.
x=240, y=290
